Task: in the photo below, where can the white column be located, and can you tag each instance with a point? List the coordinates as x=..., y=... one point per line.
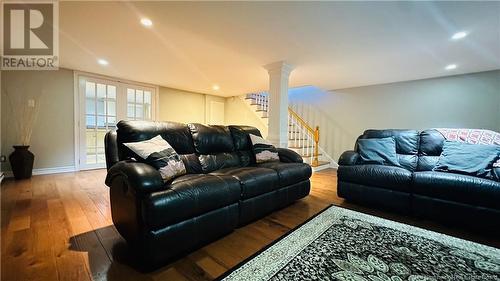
x=279, y=73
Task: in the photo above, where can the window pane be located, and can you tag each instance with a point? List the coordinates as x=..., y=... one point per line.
x=90, y=140
x=101, y=91
x=91, y=150
x=147, y=97
x=147, y=111
x=130, y=111
x=91, y=159
x=101, y=158
x=138, y=96
x=111, y=122
x=101, y=113
x=111, y=92
x=90, y=90
x=100, y=141
x=90, y=121
x=90, y=106
x=100, y=107
x=101, y=120
x=111, y=108
x=138, y=111
x=130, y=95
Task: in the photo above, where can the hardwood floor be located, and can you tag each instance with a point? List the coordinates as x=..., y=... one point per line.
x=58, y=227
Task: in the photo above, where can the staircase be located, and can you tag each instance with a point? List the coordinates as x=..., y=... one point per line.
x=302, y=138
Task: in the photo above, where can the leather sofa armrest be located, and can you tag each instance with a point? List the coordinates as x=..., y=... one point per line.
x=139, y=177
x=111, y=149
x=348, y=158
x=496, y=173
x=289, y=156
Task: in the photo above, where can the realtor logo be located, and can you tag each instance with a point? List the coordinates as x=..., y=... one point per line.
x=29, y=33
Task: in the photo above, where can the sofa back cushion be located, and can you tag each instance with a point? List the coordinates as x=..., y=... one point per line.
x=431, y=146
x=176, y=134
x=202, y=148
x=242, y=143
x=214, y=146
x=407, y=142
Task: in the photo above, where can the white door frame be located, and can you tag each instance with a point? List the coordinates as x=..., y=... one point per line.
x=78, y=104
x=211, y=106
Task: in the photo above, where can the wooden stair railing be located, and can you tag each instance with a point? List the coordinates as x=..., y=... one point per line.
x=312, y=135
x=301, y=136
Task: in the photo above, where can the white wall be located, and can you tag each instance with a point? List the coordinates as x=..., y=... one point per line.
x=462, y=101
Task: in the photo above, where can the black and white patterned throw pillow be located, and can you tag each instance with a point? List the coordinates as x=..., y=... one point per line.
x=158, y=153
x=264, y=150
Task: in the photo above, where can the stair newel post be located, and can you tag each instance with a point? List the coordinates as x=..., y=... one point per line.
x=310, y=147
x=316, y=146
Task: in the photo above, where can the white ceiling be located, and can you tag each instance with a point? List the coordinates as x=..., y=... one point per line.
x=193, y=45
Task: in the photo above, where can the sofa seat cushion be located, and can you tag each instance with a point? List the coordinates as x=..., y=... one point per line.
x=189, y=196
x=289, y=173
x=459, y=188
x=254, y=181
x=388, y=177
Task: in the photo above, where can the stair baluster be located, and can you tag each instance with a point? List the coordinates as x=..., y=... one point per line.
x=301, y=137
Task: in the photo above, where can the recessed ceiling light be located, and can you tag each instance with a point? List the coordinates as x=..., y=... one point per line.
x=146, y=22
x=450, y=67
x=102, y=62
x=459, y=35
x=215, y=87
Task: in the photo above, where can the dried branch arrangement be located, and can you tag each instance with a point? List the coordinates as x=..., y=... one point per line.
x=24, y=112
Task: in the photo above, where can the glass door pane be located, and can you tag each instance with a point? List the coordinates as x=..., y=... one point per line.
x=102, y=104
x=100, y=117
x=139, y=104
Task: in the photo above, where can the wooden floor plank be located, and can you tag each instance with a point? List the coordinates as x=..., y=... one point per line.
x=59, y=227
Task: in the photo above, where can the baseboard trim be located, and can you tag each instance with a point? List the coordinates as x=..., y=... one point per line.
x=46, y=171
x=332, y=165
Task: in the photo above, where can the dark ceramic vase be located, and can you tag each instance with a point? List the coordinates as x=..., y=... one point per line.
x=21, y=161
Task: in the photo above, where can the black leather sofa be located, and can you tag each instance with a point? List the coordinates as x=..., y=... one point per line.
x=224, y=188
x=414, y=188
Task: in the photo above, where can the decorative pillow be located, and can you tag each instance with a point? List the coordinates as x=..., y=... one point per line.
x=495, y=173
x=158, y=153
x=264, y=150
x=380, y=151
x=470, y=159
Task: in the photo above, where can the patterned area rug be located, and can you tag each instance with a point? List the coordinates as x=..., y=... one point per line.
x=340, y=244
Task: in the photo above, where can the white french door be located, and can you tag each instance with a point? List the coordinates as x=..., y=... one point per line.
x=102, y=103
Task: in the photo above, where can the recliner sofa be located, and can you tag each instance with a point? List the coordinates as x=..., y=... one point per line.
x=223, y=189
x=414, y=188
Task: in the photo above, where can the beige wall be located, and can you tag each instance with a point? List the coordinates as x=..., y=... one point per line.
x=53, y=136
x=185, y=107
x=208, y=108
x=52, y=141
x=238, y=113
x=181, y=106
x=462, y=101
